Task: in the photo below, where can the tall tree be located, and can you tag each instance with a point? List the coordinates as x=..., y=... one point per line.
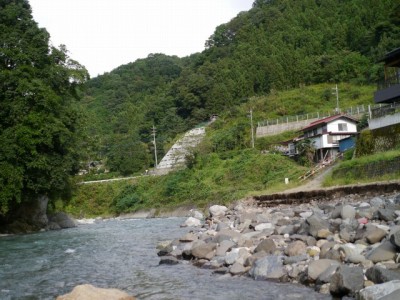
x=39, y=117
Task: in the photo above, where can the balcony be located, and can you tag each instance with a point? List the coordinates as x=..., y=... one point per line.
x=389, y=89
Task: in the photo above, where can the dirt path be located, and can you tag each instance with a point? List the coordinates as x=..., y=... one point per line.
x=312, y=184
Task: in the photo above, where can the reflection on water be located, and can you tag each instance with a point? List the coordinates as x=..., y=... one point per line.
x=119, y=254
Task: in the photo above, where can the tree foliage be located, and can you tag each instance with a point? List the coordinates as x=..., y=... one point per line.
x=276, y=45
x=39, y=118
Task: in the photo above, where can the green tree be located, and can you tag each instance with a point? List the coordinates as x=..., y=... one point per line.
x=39, y=117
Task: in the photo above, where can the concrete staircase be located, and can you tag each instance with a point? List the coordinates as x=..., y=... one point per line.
x=176, y=156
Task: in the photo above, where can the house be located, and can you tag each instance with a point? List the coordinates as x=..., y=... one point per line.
x=325, y=135
x=387, y=94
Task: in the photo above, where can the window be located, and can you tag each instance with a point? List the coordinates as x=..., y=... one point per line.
x=342, y=126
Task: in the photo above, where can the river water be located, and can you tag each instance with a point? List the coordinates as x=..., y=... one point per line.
x=119, y=254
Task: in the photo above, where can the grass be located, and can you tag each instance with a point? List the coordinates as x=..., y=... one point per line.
x=213, y=180
x=382, y=166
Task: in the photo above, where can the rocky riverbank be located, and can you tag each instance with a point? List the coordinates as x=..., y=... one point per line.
x=346, y=247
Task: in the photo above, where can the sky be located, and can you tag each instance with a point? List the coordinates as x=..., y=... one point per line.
x=104, y=34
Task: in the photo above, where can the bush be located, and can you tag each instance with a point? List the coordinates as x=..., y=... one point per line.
x=126, y=199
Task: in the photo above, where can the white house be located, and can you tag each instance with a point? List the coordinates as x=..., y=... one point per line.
x=325, y=135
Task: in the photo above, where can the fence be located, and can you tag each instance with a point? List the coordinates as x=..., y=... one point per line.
x=311, y=116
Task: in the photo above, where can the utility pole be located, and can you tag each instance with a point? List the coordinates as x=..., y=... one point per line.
x=337, y=98
x=252, y=130
x=155, y=146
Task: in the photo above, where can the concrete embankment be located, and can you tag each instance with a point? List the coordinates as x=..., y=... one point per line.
x=327, y=194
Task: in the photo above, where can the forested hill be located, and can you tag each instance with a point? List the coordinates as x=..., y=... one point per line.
x=277, y=45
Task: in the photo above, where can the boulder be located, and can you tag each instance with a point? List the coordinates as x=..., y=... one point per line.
x=196, y=214
x=380, y=291
x=378, y=274
x=294, y=259
x=267, y=245
x=295, y=248
x=262, y=226
x=317, y=267
x=237, y=269
x=89, y=292
x=347, y=281
x=395, y=239
x=348, y=212
x=218, y=210
x=325, y=277
x=224, y=247
x=268, y=267
x=189, y=237
x=315, y=224
x=191, y=222
x=395, y=295
x=164, y=248
x=204, y=250
x=377, y=202
x=386, y=214
x=375, y=235
x=385, y=251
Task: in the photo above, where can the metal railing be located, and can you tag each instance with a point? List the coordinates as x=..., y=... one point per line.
x=384, y=110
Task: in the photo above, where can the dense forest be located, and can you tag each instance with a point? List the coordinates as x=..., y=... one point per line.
x=277, y=45
x=40, y=120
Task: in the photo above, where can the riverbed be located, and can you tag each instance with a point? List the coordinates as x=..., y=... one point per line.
x=120, y=254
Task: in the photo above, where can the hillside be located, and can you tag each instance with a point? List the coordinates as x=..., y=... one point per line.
x=276, y=46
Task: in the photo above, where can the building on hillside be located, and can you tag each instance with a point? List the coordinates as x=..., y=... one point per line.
x=325, y=135
x=387, y=94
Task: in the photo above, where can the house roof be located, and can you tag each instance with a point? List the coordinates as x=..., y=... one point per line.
x=327, y=120
x=392, y=58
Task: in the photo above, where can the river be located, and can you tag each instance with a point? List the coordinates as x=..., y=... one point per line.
x=119, y=254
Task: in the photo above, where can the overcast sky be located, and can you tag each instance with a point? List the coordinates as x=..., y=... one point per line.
x=104, y=34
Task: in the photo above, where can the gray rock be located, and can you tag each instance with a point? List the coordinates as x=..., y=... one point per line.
x=295, y=248
x=294, y=259
x=168, y=260
x=189, y=237
x=348, y=230
x=205, y=250
x=395, y=239
x=377, y=202
x=378, y=274
x=191, y=222
x=347, y=281
x=232, y=256
x=379, y=291
x=196, y=214
x=267, y=245
x=317, y=267
x=355, y=258
x=386, y=214
x=395, y=295
x=325, y=277
x=223, y=247
x=375, y=235
x=385, y=251
x=227, y=234
x=221, y=226
x=316, y=223
x=268, y=267
x=337, y=212
x=63, y=220
x=262, y=226
x=218, y=210
x=237, y=269
x=348, y=212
